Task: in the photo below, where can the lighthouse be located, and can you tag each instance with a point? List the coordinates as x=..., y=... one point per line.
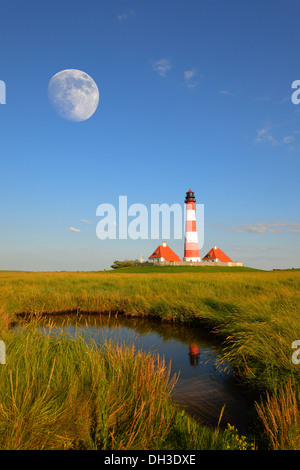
x=191, y=247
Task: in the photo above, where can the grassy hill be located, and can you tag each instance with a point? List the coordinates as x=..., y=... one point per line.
x=185, y=269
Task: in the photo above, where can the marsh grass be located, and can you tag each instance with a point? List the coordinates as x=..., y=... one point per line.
x=60, y=393
x=255, y=315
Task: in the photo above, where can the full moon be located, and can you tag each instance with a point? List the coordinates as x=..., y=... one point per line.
x=73, y=94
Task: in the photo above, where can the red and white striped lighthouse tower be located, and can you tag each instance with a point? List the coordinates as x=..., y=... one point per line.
x=191, y=247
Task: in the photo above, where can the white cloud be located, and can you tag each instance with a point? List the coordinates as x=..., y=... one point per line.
x=189, y=76
x=86, y=221
x=272, y=227
x=260, y=135
x=263, y=98
x=259, y=228
x=244, y=248
x=227, y=93
x=288, y=139
x=126, y=15
x=73, y=229
x=162, y=66
x=264, y=135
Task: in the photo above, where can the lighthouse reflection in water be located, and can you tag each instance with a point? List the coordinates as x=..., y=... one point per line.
x=194, y=355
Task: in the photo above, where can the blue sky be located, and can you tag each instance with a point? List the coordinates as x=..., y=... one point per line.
x=193, y=94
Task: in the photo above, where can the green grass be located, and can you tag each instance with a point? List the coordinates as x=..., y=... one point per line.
x=58, y=393
x=255, y=315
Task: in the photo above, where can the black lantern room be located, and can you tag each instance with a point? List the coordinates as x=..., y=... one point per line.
x=190, y=197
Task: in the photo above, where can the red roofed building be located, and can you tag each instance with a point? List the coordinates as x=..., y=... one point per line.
x=215, y=255
x=163, y=253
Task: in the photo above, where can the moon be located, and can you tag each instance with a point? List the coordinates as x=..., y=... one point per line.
x=73, y=94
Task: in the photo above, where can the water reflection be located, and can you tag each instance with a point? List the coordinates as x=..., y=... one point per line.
x=194, y=355
x=202, y=389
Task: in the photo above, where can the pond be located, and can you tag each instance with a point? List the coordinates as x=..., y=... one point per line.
x=202, y=388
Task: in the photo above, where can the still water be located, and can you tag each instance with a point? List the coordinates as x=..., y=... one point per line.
x=202, y=388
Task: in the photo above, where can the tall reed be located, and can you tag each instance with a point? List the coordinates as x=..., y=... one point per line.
x=280, y=415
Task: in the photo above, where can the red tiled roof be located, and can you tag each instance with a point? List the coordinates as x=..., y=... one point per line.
x=166, y=253
x=217, y=253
